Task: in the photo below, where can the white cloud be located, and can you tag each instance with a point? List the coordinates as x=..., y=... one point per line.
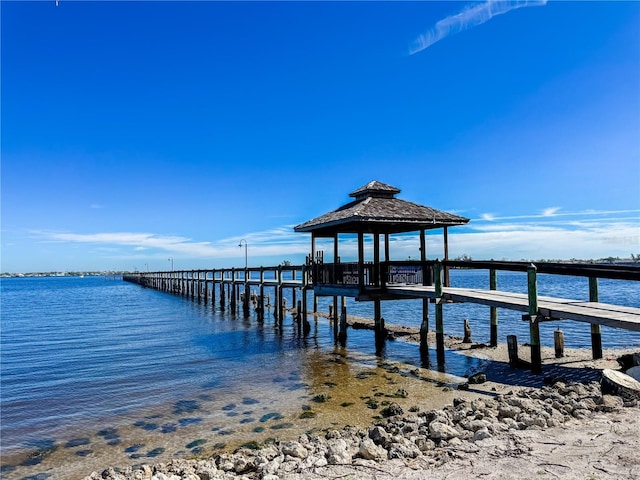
x=471, y=16
x=550, y=212
x=175, y=244
x=549, y=234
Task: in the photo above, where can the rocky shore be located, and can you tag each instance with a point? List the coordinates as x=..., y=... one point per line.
x=468, y=438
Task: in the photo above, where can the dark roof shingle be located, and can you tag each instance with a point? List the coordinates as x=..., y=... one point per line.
x=375, y=208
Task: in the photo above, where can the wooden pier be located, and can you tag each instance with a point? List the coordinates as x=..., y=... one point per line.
x=252, y=289
x=376, y=213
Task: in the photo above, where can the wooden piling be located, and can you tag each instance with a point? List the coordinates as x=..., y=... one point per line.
x=233, y=290
x=596, y=336
x=437, y=272
x=343, y=322
x=493, y=285
x=467, y=331
x=245, y=303
x=424, y=325
x=279, y=306
x=512, y=348
x=558, y=342
x=534, y=324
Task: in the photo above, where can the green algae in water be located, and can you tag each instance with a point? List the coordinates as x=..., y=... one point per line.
x=77, y=442
x=155, y=452
x=185, y=406
x=258, y=429
x=321, y=398
x=271, y=416
x=252, y=445
x=134, y=448
x=282, y=426
x=196, y=443
x=307, y=414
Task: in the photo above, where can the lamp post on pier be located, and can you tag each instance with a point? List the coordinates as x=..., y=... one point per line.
x=171, y=260
x=245, y=252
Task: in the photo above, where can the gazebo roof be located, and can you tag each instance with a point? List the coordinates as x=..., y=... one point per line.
x=375, y=209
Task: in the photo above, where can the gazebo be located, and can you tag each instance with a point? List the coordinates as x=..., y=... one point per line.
x=375, y=211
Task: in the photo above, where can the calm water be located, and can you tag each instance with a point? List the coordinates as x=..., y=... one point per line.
x=87, y=355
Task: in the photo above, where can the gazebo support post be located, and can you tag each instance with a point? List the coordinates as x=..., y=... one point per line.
x=424, y=326
x=439, y=317
x=446, y=256
x=361, y=261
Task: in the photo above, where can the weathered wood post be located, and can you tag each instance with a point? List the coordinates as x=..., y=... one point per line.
x=596, y=336
x=378, y=320
x=246, y=299
x=279, y=297
x=222, y=290
x=534, y=324
x=426, y=274
x=558, y=342
x=333, y=314
x=261, y=299
x=233, y=290
x=213, y=288
x=343, y=321
x=493, y=285
x=305, y=287
x=512, y=348
x=294, y=300
x=467, y=331
x=437, y=272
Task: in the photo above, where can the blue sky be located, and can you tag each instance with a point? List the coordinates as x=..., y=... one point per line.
x=137, y=132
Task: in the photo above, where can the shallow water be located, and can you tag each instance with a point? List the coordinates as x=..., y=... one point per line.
x=98, y=372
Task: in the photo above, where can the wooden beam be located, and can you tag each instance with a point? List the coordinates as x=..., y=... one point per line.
x=534, y=325
x=493, y=285
x=596, y=336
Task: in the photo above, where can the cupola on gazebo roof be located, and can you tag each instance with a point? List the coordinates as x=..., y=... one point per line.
x=376, y=210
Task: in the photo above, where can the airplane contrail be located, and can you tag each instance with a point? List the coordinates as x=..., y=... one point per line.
x=470, y=16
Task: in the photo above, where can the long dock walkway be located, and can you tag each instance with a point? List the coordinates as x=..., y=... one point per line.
x=426, y=280
x=549, y=308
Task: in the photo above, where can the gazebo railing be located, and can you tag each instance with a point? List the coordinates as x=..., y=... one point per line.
x=346, y=274
x=374, y=275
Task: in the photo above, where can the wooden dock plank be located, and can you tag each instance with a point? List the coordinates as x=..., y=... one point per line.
x=615, y=316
